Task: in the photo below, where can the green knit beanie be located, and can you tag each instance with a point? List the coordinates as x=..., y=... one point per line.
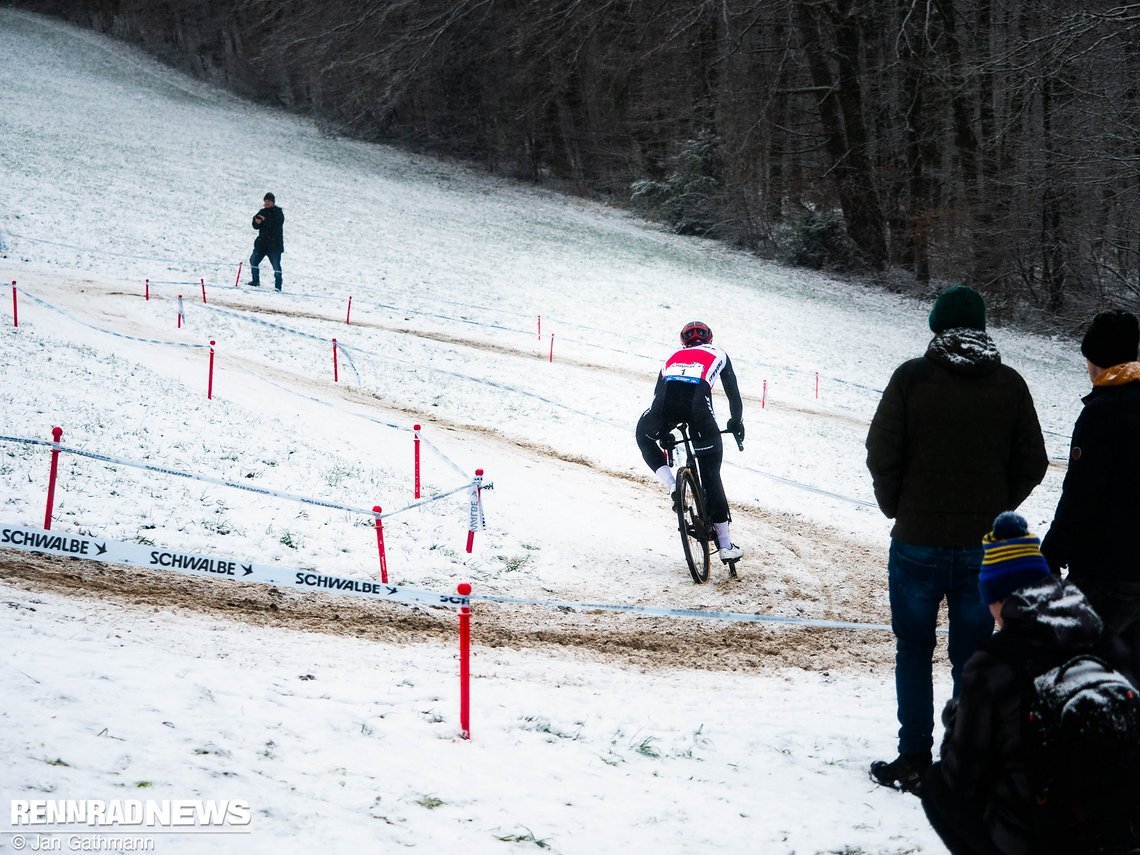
x=960, y=306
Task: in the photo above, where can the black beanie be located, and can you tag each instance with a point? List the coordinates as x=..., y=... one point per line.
x=269, y=197
x=1112, y=339
x=960, y=306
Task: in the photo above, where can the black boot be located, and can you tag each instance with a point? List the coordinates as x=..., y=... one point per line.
x=903, y=773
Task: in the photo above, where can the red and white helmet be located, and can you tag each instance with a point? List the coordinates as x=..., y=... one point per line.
x=695, y=333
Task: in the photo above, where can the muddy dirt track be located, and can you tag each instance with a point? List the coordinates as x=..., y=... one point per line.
x=618, y=639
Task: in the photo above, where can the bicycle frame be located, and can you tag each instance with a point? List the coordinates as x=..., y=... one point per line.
x=698, y=533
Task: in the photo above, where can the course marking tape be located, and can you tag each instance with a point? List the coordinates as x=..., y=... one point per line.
x=249, y=488
x=189, y=261
x=592, y=416
x=435, y=448
x=655, y=611
x=212, y=566
x=76, y=320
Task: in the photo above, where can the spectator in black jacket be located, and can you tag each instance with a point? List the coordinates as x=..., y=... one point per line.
x=955, y=441
x=980, y=796
x=270, y=242
x=1093, y=531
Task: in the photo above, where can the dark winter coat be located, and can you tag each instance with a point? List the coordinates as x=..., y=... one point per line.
x=1093, y=530
x=270, y=231
x=954, y=442
x=984, y=760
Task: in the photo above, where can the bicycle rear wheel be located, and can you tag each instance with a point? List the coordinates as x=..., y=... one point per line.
x=693, y=525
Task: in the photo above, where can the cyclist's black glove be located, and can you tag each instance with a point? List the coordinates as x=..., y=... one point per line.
x=736, y=428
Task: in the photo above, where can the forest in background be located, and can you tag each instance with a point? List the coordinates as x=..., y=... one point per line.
x=993, y=142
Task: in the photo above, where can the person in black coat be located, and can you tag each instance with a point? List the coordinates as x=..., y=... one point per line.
x=955, y=440
x=1093, y=530
x=980, y=796
x=270, y=242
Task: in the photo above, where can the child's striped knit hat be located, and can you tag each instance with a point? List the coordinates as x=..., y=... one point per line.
x=1012, y=558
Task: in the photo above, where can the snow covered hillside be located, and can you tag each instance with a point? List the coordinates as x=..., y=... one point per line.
x=336, y=718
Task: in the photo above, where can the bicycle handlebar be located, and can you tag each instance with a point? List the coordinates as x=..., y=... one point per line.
x=670, y=442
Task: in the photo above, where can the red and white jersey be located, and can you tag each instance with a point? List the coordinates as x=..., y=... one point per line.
x=694, y=364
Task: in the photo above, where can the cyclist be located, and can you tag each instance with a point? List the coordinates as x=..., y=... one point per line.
x=684, y=395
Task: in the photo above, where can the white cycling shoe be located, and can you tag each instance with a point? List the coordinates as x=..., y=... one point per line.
x=731, y=552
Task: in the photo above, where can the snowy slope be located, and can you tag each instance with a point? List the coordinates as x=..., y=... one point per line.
x=116, y=170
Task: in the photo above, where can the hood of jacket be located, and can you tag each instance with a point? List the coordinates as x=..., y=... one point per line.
x=964, y=350
x=1052, y=617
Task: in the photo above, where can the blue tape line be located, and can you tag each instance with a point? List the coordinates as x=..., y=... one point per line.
x=656, y=611
x=76, y=320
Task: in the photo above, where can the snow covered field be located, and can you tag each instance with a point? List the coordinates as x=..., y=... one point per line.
x=115, y=170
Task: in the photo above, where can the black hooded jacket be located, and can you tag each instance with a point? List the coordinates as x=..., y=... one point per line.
x=984, y=758
x=954, y=442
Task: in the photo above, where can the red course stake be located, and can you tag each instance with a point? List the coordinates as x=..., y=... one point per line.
x=464, y=590
x=237, y=279
x=56, y=433
x=817, y=384
x=380, y=545
x=146, y=293
x=15, y=311
x=552, y=347
x=764, y=395
x=540, y=327
x=336, y=370
x=210, y=385
x=348, y=314
x=416, y=446
x=179, y=311
x=203, y=281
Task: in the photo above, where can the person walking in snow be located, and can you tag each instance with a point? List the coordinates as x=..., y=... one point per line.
x=1092, y=533
x=994, y=790
x=683, y=395
x=954, y=441
x=269, y=243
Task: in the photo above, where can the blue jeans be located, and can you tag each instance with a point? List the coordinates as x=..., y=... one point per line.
x=255, y=271
x=920, y=576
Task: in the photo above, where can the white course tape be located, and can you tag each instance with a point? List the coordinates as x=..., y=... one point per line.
x=504, y=387
x=237, y=485
x=76, y=320
x=213, y=566
x=179, y=261
x=655, y=611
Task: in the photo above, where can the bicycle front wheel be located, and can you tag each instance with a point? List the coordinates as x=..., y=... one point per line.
x=693, y=525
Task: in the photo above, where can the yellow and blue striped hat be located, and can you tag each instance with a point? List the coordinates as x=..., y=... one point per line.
x=1012, y=558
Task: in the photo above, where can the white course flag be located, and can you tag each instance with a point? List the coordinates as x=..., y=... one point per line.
x=212, y=566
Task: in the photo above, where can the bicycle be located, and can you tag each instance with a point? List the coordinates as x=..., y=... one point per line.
x=697, y=533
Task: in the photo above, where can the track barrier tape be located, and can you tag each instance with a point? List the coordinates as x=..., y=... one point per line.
x=656, y=611
x=406, y=309
x=383, y=358
x=435, y=448
x=494, y=384
x=181, y=261
x=249, y=488
x=592, y=416
x=211, y=566
x=76, y=320
x=348, y=356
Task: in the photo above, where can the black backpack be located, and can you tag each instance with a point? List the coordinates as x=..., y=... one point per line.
x=1083, y=740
